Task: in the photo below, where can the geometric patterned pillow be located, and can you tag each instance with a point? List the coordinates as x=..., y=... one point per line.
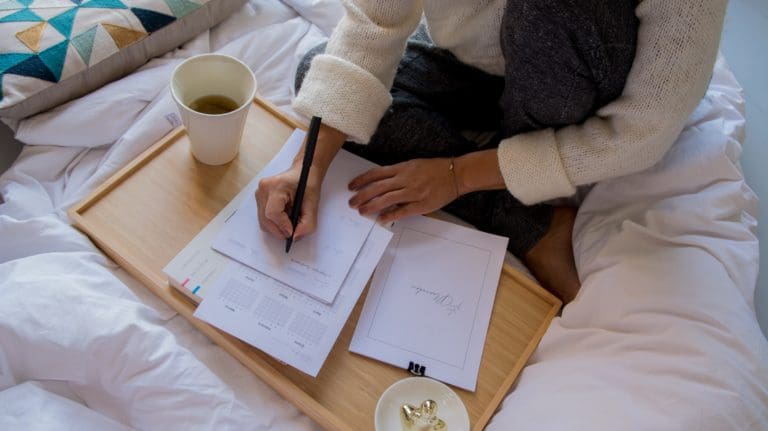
x=44, y=42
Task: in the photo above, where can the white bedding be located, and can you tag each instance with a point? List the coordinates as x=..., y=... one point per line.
x=662, y=336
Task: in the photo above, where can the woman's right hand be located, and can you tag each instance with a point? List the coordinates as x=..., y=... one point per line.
x=275, y=198
x=275, y=194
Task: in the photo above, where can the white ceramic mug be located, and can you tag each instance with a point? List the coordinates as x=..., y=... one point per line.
x=214, y=138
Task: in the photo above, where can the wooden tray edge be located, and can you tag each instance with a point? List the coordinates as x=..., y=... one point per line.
x=555, y=302
x=150, y=153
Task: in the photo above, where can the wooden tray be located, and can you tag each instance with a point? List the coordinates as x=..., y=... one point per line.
x=149, y=210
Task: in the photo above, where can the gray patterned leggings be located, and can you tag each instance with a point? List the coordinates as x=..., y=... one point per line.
x=564, y=59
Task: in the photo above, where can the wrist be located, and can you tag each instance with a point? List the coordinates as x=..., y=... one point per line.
x=329, y=142
x=478, y=171
x=460, y=175
x=453, y=166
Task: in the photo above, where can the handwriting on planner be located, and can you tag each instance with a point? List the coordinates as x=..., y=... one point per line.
x=444, y=301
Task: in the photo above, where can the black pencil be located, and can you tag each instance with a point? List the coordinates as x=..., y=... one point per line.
x=309, y=152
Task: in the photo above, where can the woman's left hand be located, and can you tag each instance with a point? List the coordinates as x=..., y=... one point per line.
x=417, y=186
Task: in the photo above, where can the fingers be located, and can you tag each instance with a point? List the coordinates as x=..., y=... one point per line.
x=382, y=202
x=275, y=216
x=274, y=196
x=264, y=223
x=373, y=190
x=375, y=174
x=308, y=219
x=398, y=212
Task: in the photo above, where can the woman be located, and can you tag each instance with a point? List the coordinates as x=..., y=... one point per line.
x=565, y=92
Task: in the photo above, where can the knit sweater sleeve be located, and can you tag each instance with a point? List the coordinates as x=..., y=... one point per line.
x=677, y=45
x=348, y=86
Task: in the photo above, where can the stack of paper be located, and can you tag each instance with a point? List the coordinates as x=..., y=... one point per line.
x=281, y=321
x=293, y=306
x=430, y=300
x=317, y=264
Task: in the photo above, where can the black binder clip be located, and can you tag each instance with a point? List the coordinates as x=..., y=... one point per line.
x=416, y=369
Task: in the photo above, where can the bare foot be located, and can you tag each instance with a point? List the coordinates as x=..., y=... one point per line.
x=551, y=259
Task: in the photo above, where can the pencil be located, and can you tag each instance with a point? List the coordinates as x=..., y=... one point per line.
x=309, y=152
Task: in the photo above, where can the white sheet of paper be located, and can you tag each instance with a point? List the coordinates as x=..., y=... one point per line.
x=431, y=299
x=284, y=323
x=317, y=264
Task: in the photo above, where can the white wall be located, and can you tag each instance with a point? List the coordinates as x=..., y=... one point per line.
x=745, y=46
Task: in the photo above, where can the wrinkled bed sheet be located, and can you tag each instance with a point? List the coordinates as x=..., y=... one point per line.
x=662, y=336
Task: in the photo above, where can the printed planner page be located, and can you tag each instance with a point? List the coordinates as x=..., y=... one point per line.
x=431, y=299
x=286, y=324
x=318, y=263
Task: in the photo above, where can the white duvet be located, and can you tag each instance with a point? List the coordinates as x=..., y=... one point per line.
x=662, y=336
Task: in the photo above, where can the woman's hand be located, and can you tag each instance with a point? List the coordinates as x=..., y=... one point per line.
x=417, y=186
x=274, y=199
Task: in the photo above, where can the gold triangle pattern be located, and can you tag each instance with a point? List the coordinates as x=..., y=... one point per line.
x=123, y=36
x=32, y=36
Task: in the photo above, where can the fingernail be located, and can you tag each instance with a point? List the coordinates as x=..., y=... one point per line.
x=352, y=186
x=352, y=203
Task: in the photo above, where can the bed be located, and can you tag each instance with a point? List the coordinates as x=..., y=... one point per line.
x=662, y=336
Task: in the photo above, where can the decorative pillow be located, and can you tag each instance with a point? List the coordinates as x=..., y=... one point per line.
x=52, y=51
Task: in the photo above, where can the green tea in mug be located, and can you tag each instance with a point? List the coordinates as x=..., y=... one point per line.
x=214, y=105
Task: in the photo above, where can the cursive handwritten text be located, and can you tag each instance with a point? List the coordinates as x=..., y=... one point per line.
x=447, y=302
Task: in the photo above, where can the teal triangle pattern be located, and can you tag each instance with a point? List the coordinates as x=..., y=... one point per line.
x=104, y=4
x=83, y=43
x=54, y=56
x=9, y=60
x=26, y=2
x=151, y=20
x=24, y=15
x=179, y=8
x=63, y=22
x=34, y=68
x=11, y=5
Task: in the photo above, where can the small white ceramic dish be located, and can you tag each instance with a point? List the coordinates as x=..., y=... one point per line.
x=414, y=390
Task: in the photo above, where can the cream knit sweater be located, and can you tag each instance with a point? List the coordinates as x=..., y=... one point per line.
x=349, y=85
